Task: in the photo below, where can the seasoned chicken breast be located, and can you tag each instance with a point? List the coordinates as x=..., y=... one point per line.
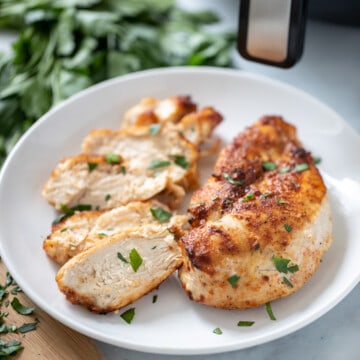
x=152, y=111
x=121, y=166
x=261, y=223
x=82, y=230
x=118, y=271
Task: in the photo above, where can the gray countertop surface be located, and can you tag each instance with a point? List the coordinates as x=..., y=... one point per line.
x=330, y=71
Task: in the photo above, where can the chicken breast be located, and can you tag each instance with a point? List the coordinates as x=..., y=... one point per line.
x=152, y=111
x=121, y=166
x=261, y=223
x=82, y=230
x=118, y=271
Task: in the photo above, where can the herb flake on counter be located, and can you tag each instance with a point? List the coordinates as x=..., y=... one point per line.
x=9, y=348
x=135, y=259
x=231, y=181
x=26, y=327
x=20, y=308
x=160, y=214
x=128, y=315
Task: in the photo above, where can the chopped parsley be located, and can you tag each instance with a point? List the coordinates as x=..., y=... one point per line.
x=248, y=197
x=9, y=348
x=154, y=299
x=269, y=311
x=233, y=280
x=245, y=323
x=231, y=181
x=266, y=195
x=282, y=265
x=123, y=170
x=281, y=201
x=107, y=197
x=269, y=165
x=122, y=258
x=160, y=214
x=128, y=315
x=135, y=259
x=154, y=129
x=317, y=160
x=63, y=230
x=112, y=158
x=92, y=166
x=70, y=211
x=181, y=161
x=217, y=331
x=24, y=328
x=301, y=167
x=102, y=234
x=287, y=282
x=284, y=169
x=155, y=164
x=288, y=227
x=20, y=308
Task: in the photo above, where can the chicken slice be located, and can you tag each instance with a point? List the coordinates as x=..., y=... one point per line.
x=146, y=166
x=152, y=111
x=261, y=224
x=118, y=271
x=82, y=230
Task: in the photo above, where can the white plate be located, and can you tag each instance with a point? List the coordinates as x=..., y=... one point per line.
x=174, y=324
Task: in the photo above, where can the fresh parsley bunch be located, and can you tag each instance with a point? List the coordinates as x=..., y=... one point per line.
x=65, y=46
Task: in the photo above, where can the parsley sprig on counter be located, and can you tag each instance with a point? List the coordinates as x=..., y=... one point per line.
x=65, y=46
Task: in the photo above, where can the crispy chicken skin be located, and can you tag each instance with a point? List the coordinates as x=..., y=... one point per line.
x=103, y=279
x=82, y=230
x=152, y=111
x=259, y=232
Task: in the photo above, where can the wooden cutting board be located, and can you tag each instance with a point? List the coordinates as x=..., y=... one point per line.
x=50, y=339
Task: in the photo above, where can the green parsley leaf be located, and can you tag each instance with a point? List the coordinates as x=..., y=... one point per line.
x=287, y=227
x=160, y=214
x=21, y=309
x=266, y=195
x=301, y=167
x=154, y=129
x=155, y=164
x=284, y=169
x=154, y=299
x=245, y=323
x=317, y=160
x=24, y=328
x=63, y=230
x=287, y=282
x=217, y=331
x=135, y=259
x=123, y=170
x=107, y=197
x=92, y=166
x=282, y=265
x=281, y=201
x=112, y=158
x=9, y=348
x=269, y=311
x=269, y=165
x=231, y=181
x=233, y=280
x=248, y=197
x=181, y=161
x=122, y=258
x=128, y=315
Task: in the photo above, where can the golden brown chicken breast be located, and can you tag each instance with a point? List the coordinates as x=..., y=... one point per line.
x=261, y=223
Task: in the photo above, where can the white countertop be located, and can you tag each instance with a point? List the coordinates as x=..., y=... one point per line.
x=330, y=71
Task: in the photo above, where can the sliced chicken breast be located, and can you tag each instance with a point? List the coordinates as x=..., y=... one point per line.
x=145, y=166
x=261, y=224
x=120, y=270
x=82, y=230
